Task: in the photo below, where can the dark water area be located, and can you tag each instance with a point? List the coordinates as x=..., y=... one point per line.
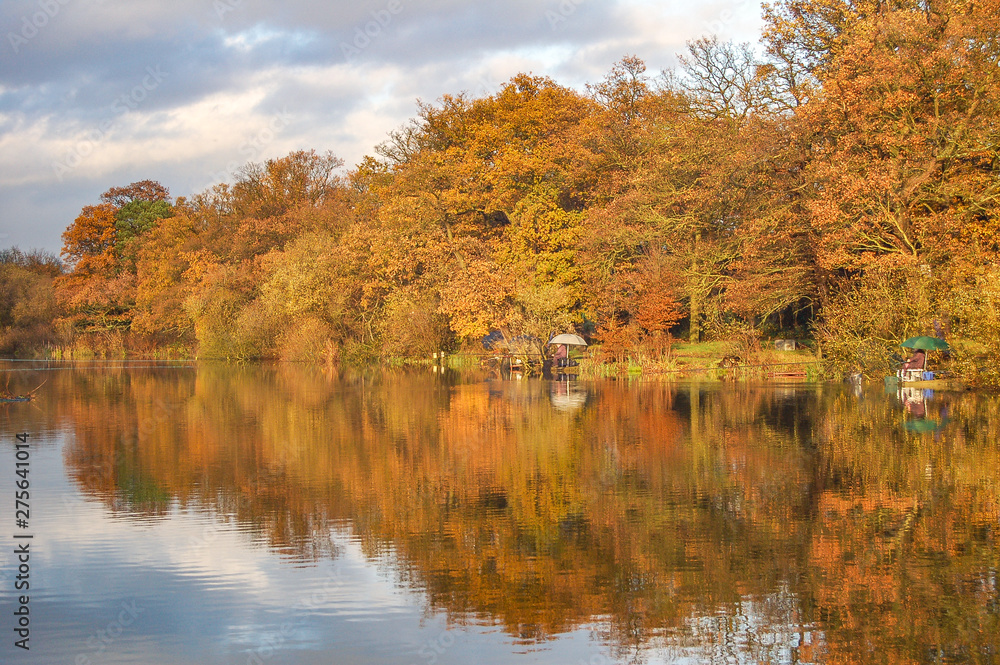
x=199, y=513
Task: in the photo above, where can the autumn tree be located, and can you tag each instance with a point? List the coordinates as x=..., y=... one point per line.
x=36, y=260
x=88, y=243
x=904, y=162
x=265, y=202
x=911, y=175
x=100, y=247
x=167, y=263
x=313, y=289
x=694, y=190
x=27, y=300
x=253, y=253
x=483, y=188
x=726, y=81
x=143, y=190
x=132, y=221
x=617, y=129
x=849, y=167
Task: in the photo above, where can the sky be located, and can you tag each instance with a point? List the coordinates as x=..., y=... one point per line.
x=101, y=93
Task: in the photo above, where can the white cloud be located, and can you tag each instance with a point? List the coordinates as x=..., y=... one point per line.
x=228, y=76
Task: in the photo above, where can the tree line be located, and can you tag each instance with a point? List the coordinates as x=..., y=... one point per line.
x=840, y=183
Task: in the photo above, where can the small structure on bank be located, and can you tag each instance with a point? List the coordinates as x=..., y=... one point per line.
x=915, y=370
x=513, y=353
x=560, y=359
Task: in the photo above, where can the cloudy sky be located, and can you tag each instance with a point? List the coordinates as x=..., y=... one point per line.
x=100, y=93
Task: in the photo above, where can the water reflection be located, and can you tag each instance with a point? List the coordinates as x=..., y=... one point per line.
x=925, y=411
x=567, y=394
x=708, y=523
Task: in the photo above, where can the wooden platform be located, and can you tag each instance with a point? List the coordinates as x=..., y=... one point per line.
x=932, y=384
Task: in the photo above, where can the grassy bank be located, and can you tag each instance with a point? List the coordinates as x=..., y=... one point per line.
x=732, y=360
x=717, y=360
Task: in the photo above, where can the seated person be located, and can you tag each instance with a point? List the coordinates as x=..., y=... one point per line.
x=561, y=355
x=916, y=362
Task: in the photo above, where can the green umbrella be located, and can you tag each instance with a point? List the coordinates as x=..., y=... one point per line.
x=926, y=343
x=925, y=425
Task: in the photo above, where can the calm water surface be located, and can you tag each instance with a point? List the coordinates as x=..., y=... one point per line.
x=212, y=514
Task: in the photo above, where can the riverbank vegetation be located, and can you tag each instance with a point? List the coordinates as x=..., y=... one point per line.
x=840, y=187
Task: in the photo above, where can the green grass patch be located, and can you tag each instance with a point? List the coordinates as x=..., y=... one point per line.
x=702, y=349
x=703, y=361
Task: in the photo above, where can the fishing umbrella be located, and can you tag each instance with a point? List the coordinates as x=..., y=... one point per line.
x=924, y=425
x=569, y=339
x=926, y=343
x=566, y=340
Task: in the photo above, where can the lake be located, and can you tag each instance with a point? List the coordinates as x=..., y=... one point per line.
x=202, y=513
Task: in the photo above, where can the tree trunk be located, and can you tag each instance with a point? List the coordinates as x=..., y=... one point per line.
x=695, y=332
x=695, y=293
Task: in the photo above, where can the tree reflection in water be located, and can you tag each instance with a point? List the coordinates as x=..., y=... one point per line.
x=761, y=524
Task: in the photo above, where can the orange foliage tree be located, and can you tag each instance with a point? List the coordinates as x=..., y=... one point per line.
x=844, y=184
x=98, y=293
